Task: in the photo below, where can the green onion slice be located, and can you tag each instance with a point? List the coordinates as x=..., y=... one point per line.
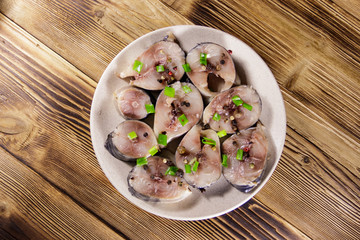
x=132, y=135
x=162, y=139
x=150, y=108
x=217, y=117
x=160, y=68
x=222, y=133
x=208, y=141
x=195, y=166
x=137, y=66
x=224, y=160
x=169, y=91
x=237, y=100
x=240, y=154
x=141, y=161
x=153, y=150
x=183, y=120
x=186, y=89
x=171, y=171
x=187, y=168
x=247, y=106
x=203, y=59
x=186, y=67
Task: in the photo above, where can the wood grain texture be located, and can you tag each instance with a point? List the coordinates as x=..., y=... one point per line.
x=89, y=33
x=45, y=125
x=31, y=208
x=312, y=47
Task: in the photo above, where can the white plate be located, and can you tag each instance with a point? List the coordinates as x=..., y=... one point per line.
x=220, y=198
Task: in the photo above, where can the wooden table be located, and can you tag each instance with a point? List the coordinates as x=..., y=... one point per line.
x=52, y=54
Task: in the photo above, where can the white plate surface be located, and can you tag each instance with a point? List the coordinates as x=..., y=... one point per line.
x=220, y=198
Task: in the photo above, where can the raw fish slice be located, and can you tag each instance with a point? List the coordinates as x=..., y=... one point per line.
x=151, y=183
x=168, y=110
x=191, y=149
x=131, y=102
x=166, y=53
x=232, y=118
x=122, y=147
x=217, y=75
x=245, y=174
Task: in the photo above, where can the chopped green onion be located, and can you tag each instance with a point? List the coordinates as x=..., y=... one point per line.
x=186, y=67
x=237, y=100
x=222, y=133
x=195, y=166
x=224, y=160
x=217, y=117
x=132, y=135
x=171, y=171
x=150, y=108
x=160, y=68
x=153, y=150
x=137, y=66
x=169, y=91
x=162, y=139
x=141, y=161
x=187, y=168
x=247, y=106
x=240, y=154
x=203, y=60
x=183, y=120
x=208, y=141
x=192, y=161
x=186, y=89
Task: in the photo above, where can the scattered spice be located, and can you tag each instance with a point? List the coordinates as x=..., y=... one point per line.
x=146, y=134
x=222, y=62
x=238, y=115
x=181, y=150
x=202, y=190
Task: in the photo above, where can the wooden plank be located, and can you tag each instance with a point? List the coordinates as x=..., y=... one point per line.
x=31, y=208
x=89, y=33
x=45, y=105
